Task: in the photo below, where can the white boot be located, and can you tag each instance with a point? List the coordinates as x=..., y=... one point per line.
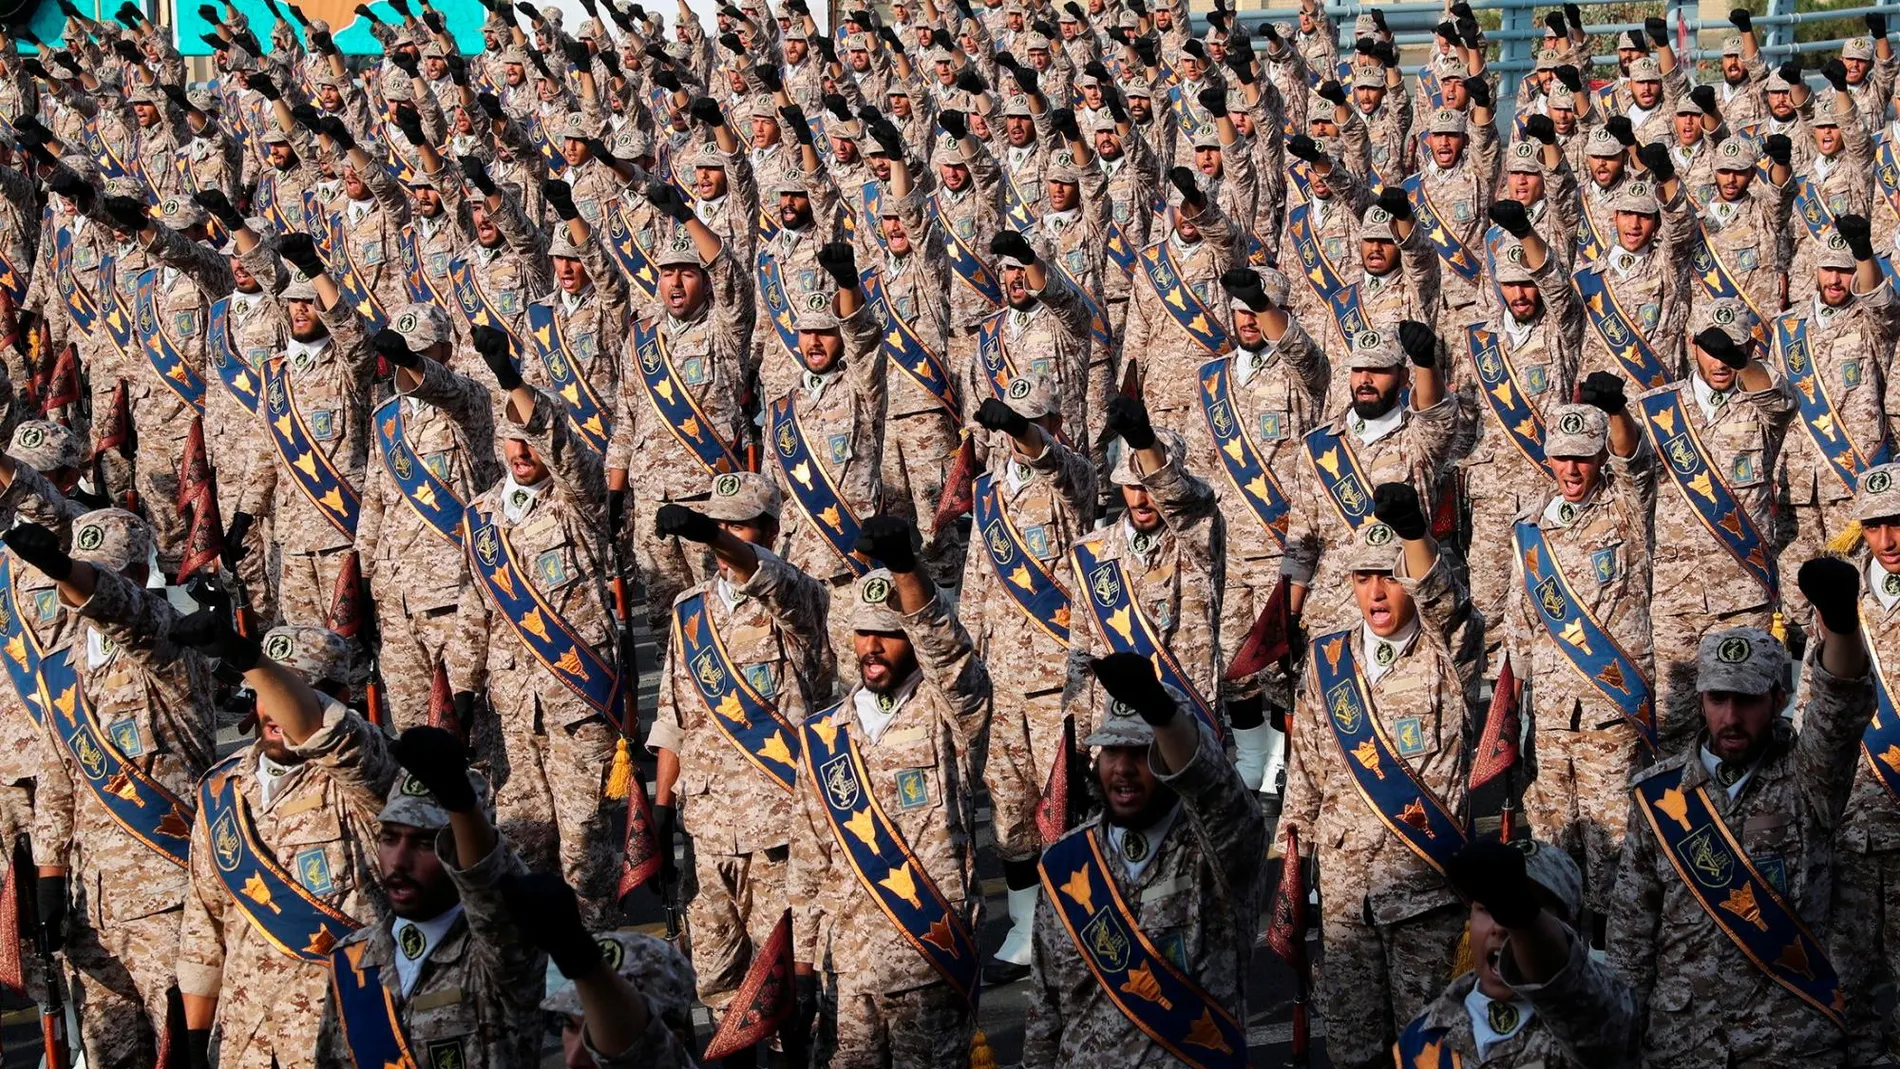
x=1259, y=754
x=1022, y=922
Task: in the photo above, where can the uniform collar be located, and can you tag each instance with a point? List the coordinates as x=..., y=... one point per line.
x=1380, y=654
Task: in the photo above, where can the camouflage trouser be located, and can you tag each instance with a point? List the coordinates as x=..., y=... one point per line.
x=918, y=453
x=1579, y=799
x=306, y=585
x=1677, y=641
x=1865, y=940
x=1494, y=503
x=552, y=804
x=1375, y=978
x=119, y=973
x=1025, y=736
x=838, y=630
x=739, y=899
x=413, y=643
x=155, y=475
x=924, y=1028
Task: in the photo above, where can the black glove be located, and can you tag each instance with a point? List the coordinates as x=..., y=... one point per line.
x=1836, y=74
x=1618, y=126
x=666, y=822
x=464, y=705
x=706, y=110
x=1025, y=78
x=322, y=41
x=528, y=11
x=1573, y=14
x=1511, y=215
x=1791, y=71
x=1112, y=100
x=1657, y=161
x=1658, y=31
x=38, y=70
x=678, y=521
x=792, y=117
x=1704, y=97
x=492, y=345
x=176, y=94
x=69, y=62
x=560, y=197
x=490, y=105
x=391, y=347
x=1741, y=20
x=128, y=15
x=1491, y=873
x=970, y=80
x=1469, y=35
x=128, y=214
x=308, y=117
x=1778, y=149
x=364, y=11
x=1447, y=32
x=1013, y=245
x=39, y=547
x=889, y=541
x=477, y=174
x=50, y=895
x=731, y=43
x=1305, y=148
x=1183, y=180
x=437, y=759
x=1569, y=77
x=300, y=251
x=1128, y=420
x=547, y=913
x=1419, y=343
x=838, y=261
x=128, y=51
x=1877, y=25
x=1855, y=230
x=198, y=1047
x=667, y=201
x=769, y=77
x=406, y=62
x=804, y=1011
x=1604, y=390
x=1240, y=61
x=1146, y=51
x=1716, y=342
x=1397, y=506
x=889, y=37
x=1213, y=101
x=1832, y=586
x=1395, y=202
x=1479, y=91
x=338, y=132
x=401, y=6
x=995, y=415
x=1554, y=21
x=409, y=121
x=889, y=141
x=212, y=634
x=234, y=535
x=1244, y=283
x=1363, y=46
x=953, y=124
x=1130, y=679
x=68, y=185
x=434, y=22
x=616, y=511
x=1062, y=120
x=1333, y=92
x=262, y=83
x=577, y=55
x=1541, y=129
x=1387, y=53
x=609, y=59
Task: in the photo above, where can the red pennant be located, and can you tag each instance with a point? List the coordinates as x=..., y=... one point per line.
x=194, y=468
x=1269, y=640
x=198, y=499
x=442, y=705
x=62, y=382
x=346, y=601
x=1054, y=816
x=1286, y=924
x=12, y=958
x=764, y=999
x=1131, y=380
x=1497, y=747
x=959, y=486
x=641, y=848
x=1445, y=511
x=115, y=431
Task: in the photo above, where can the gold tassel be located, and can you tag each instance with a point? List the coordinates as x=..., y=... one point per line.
x=1842, y=544
x=1778, y=627
x=981, y=1056
x=620, y=776
x=1461, y=958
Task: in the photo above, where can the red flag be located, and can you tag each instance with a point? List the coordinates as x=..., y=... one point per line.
x=1445, y=511
x=642, y=848
x=764, y=999
x=1497, y=747
x=194, y=469
x=62, y=383
x=1286, y=924
x=1131, y=380
x=1054, y=815
x=115, y=430
x=12, y=959
x=442, y=702
x=959, y=486
x=204, y=536
x=1269, y=640
x=346, y=600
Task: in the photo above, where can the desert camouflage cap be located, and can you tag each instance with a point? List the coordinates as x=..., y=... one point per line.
x=1375, y=548
x=1834, y=252
x=1377, y=226
x=1602, y=144
x=1576, y=431
x=1737, y=154
x=1375, y=350
x=1726, y=314
x=1645, y=69
x=410, y=803
x=45, y=446
x=1741, y=660
x=655, y=966
x=1510, y=269
x=1560, y=99
x=1631, y=40
x=1447, y=65
x=1121, y=725
x=1637, y=196
x=1448, y=121
x=874, y=604
x=1124, y=473
x=112, y=539
x=1878, y=493
x=1553, y=869
x=678, y=250
x=1523, y=158
x=317, y=653
x=1031, y=396
x=421, y=325
x=1368, y=78
x=1732, y=45
x=812, y=310
x=742, y=496
x=181, y=213
x=1861, y=48
x=562, y=244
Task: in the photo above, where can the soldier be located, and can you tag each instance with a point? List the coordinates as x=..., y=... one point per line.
x=1180, y=834
x=1637, y=293
x=1380, y=724
x=1871, y=69
x=1833, y=179
x=142, y=719
x=1449, y=194
x=1743, y=223
x=535, y=630
x=1534, y=994
x=1174, y=313
x=749, y=638
x=1579, y=562
x=291, y=816
x=1746, y=813
x=1036, y=497
x=1744, y=74
x=1720, y=429
x=1042, y=329
x=448, y=975
x=922, y=712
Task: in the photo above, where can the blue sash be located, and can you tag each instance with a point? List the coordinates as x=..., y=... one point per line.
x=745, y=718
x=161, y=350
x=1136, y=976
x=1826, y=429
x=349, y=279
x=1019, y=572
x=273, y=205
x=291, y=919
x=635, y=262
x=80, y=304
x=1613, y=325
x=1119, y=252
x=674, y=403
x=964, y=261
x=778, y=303
x=1337, y=465
x=1887, y=172
x=12, y=282
x=1705, y=491
x=1505, y=397
x=1596, y=656
x=20, y=655
x=905, y=350
x=885, y=866
x=475, y=305
x=237, y=374
x=1016, y=205
x=1744, y=906
x=120, y=324
x=1879, y=744
x=536, y=623
x=586, y=413
x=1124, y=626
x=1320, y=272
x=1812, y=207
x=1429, y=86
x=1719, y=283
x=1451, y=250
x=1239, y=456
x=1408, y=808
x=545, y=144
x=372, y=1026
x=1590, y=245
x=1420, y=1047
x=1157, y=263
x=414, y=276
x=433, y=500
x=308, y=466
x=804, y=474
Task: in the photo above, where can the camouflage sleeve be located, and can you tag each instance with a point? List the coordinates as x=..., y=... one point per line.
x=1187, y=505
x=265, y=265
x=132, y=616
x=576, y=468
x=1832, y=721
x=668, y=730
x=15, y=185
x=1237, y=164
x=350, y=339
x=1420, y=261
x=354, y=754
x=610, y=287
x=1071, y=472
x=656, y=1048
x=209, y=269
x=35, y=499
x=389, y=193
x=52, y=800
x=1566, y=311
x=1305, y=773
x=1774, y=406
x=1591, y=1012
x=806, y=875
x=201, y=926
x=1303, y=540
x=528, y=244
x=1308, y=361
x=1065, y=301
x=1042, y=1025
x=864, y=363
x=1433, y=432
x=467, y=656
x=1227, y=818
x=1636, y=912
x=515, y=968
x=949, y=661
x=797, y=603
x=1678, y=225
x=467, y=402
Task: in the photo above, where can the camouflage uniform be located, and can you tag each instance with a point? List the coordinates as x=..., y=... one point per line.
x=1841, y=181
x=1166, y=354
x=1652, y=284
x=663, y=977
x=1746, y=233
